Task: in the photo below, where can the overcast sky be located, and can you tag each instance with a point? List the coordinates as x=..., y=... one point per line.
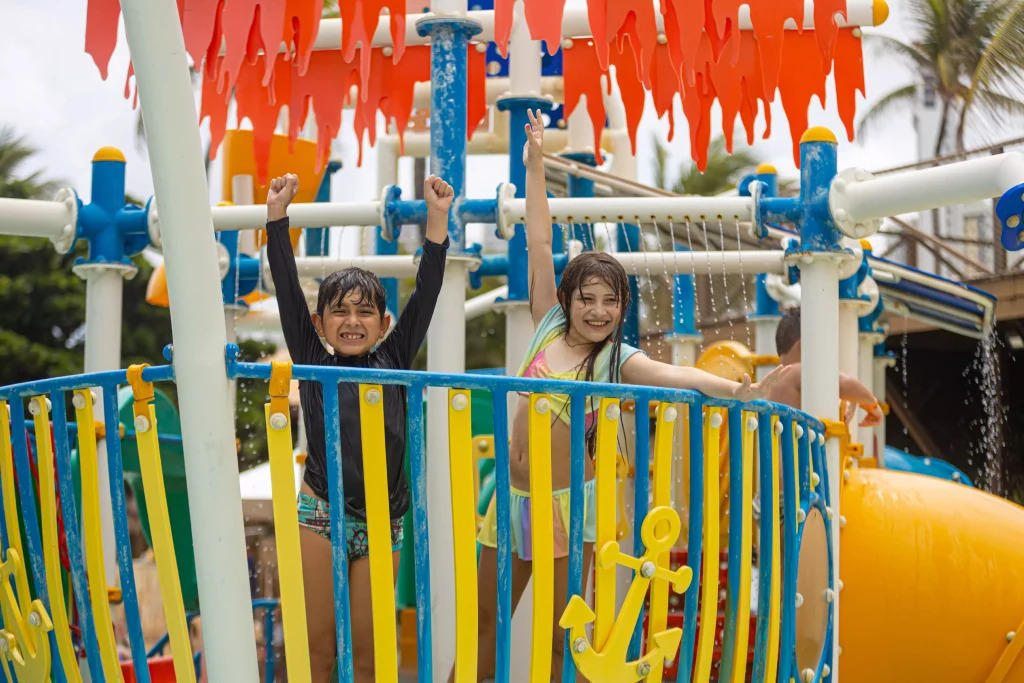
x=54, y=96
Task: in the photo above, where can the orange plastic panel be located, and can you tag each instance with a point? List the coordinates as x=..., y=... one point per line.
x=825, y=28
x=476, y=106
x=697, y=103
x=301, y=24
x=665, y=84
x=582, y=71
x=718, y=31
x=215, y=107
x=597, y=16
x=544, y=17
x=636, y=20
x=684, y=26
x=798, y=84
x=503, y=24
x=200, y=22
x=101, y=32
x=249, y=25
x=325, y=86
x=631, y=89
x=262, y=106
x=768, y=19
x=849, y=68
x=358, y=24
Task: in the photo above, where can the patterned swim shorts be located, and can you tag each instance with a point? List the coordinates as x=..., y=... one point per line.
x=315, y=514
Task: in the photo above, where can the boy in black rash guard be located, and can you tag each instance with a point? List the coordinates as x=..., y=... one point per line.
x=350, y=318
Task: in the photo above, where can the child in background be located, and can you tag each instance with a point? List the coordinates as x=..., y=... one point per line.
x=351, y=318
x=787, y=391
x=578, y=336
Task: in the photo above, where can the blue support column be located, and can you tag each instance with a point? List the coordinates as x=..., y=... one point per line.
x=628, y=240
x=581, y=187
x=448, y=96
x=317, y=238
x=518, y=286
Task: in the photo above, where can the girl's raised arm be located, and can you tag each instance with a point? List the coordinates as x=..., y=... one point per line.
x=543, y=291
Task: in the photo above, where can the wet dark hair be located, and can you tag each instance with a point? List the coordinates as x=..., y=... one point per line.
x=339, y=284
x=584, y=270
x=788, y=332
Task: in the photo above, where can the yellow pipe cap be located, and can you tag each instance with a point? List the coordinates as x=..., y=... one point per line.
x=879, y=11
x=819, y=134
x=108, y=154
x=766, y=169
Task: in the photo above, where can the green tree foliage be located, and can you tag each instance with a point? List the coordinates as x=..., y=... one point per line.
x=969, y=52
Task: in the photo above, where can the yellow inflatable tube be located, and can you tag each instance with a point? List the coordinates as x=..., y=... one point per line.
x=933, y=581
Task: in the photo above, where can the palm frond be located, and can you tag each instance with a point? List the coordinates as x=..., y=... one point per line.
x=889, y=104
x=660, y=164
x=910, y=54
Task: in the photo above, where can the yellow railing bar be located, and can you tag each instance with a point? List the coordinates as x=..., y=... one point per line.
x=286, y=525
x=26, y=647
x=92, y=536
x=463, y=473
x=709, y=594
x=1009, y=656
x=663, y=444
x=378, y=525
x=745, y=507
x=51, y=543
x=774, y=615
x=11, y=505
x=160, y=524
x=604, y=471
x=543, y=538
x=683, y=487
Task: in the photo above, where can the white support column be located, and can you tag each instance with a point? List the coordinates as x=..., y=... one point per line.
x=104, y=295
x=580, y=129
x=849, y=350
x=197, y=319
x=866, y=375
x=765, y=327
x=881, y=364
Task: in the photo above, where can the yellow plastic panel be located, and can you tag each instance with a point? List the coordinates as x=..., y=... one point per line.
x=604, y=470
x=663, y=442
x=709, y=595
x=289, y=550
x=378, y=525
x=11, y=504
x=92, y=536
x=461, y=469
x=26, y=655
x=543, y=537
x=51, y=543
x=739, y=662
x=771, y=671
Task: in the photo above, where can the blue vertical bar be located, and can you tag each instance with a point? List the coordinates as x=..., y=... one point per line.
x=268, y=640
x=335, y=486
x=804, y=463
x=694, y=541
x=790, y=498
x=129, y=596
x=317, y=238
x=383, y=247
x=503, y=504
x=628, y=240
x=684, y=316
x=765, y=435
x=736, y=549
x=581, y=187
x=641, y=502
x=420, y=536
x=518, y=286
x=448, y=97
x=577, y=509
x=72, y=531
x=27, y=505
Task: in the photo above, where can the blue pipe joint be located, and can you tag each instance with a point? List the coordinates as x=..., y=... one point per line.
x=762, y=184
x=449, y=68
x=116, y=231
x=396, y=213
x=1010, y=212
x=818, y=159
x=866, y=323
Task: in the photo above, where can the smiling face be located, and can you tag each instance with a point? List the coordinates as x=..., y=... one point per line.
x=352, y=325
x=595, y=312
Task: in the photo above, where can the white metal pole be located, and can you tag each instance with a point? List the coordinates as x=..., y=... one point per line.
x=483, y=303
x=697, y=263
x=765, y=327
x=36, y=217
x=197, y=319
x=849, y=349
x=243, y=193
x=637, y=209
x=104, y=294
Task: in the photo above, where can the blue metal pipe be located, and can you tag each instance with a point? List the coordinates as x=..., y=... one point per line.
x=817, y=169
x=448, y=97
x=684, y=308
x=317, y=238
x=581, y=187
x=781, y=209
x=479, y=211
x=628, y=239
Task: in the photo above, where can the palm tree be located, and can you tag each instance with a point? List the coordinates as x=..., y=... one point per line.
x=722, y=172
x=15, y=150
x=969, y=52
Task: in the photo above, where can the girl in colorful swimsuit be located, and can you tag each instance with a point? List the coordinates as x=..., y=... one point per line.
x=578, y=337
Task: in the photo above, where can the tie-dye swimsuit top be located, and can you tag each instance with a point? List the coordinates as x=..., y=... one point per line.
x=551, y=328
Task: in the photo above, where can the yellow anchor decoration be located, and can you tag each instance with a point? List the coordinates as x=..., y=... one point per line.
x=23, y=642
x=659, y=532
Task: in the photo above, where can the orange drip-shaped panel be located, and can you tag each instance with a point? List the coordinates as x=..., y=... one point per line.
x=798, y=83
x=503, y=24
x=752, y=91
x=301, y=24
x=684, y=26
x=630, y=88
x=324, y=88
x=582, y=76
x=249, y=25
x=636, y=20
x=544, y=17
x=262, y=106
x=359, y=20
x=397, y=103
x=199, y=21
x=825, y=28
x=476, y=105
x=664, y=85
x=697, y=108
x=768, y=18
x=738, y=87
x=721, y=20
x=849, y=76
x=597, y=16
x=213, y=106
x=101, y=32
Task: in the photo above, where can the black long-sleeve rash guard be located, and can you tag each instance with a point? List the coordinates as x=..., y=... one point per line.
x=396, y=352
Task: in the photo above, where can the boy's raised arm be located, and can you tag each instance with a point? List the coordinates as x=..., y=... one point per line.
x=541, y=270
x=410, y=331
x=299, y=332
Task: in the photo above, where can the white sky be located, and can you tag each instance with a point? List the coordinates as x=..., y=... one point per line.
x=54, y=96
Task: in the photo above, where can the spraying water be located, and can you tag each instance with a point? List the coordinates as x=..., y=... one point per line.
x=725, y=280
x=989, y=449
x=903, y=368
x=743, y=279
x=650, y=279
